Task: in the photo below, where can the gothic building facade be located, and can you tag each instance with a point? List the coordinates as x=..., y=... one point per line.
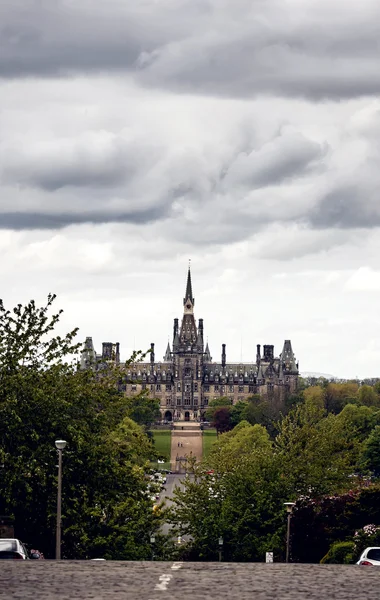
x=187, y=378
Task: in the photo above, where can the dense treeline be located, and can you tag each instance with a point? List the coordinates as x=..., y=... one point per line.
x=44, y=397
x=326, y=444
x=331, y=396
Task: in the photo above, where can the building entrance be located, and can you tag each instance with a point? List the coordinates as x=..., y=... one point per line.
x=168, y=416
x=187, y=416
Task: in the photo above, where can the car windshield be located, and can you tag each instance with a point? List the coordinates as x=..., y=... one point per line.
x=374, y=554
x=8, y=546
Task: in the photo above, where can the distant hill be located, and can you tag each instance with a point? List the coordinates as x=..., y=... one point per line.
x=318, y=375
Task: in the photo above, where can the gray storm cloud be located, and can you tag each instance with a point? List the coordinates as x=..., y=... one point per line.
x=206, y=47
x=130, y=167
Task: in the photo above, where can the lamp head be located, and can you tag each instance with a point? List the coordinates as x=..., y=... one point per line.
x=289, y=506
x=60, y=444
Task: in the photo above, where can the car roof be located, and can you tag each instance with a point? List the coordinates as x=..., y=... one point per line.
x=10, y=540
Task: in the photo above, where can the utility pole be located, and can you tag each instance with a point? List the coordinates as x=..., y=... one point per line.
x=60, y=445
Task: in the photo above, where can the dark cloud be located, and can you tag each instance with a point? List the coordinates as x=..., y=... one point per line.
x=288, y=155
x=55, y=37
x=93, y=160
x=58, y=168
x=33, y=220
x=348, y=208
x=206, y=46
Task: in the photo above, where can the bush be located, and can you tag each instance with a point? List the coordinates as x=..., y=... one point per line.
x=339, y=553
x=368, y=536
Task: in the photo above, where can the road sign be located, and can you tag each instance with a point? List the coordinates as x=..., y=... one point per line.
x=269, y=557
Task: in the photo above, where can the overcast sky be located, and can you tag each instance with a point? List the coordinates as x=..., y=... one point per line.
x=243, y=134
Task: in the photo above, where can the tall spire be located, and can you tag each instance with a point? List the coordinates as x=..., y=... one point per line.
x=167, y=357
x=189, y=291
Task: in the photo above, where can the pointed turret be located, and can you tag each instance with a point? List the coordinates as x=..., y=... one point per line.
x=167, y=357
x=175, y=335
x=208, y=357
x=88, y=355
x=287, y=357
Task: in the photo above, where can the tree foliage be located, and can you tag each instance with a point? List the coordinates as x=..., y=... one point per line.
x=371, y=451
x=314, y=454
x=242, y=502
x=44, y=397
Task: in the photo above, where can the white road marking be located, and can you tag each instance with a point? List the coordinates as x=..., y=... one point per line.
x=164, y=582
x=164, y=579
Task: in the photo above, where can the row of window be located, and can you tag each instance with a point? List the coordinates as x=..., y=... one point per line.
x=187, y=401
x=206, y=388
x=229, y=388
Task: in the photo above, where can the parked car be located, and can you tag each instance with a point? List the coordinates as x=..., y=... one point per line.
x=12, y=549
x=370, y=556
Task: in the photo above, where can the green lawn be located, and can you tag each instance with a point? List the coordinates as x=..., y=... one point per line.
x=209, y=437
x=162, y=443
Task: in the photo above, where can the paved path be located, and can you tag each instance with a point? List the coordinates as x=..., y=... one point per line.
x=190, y=445
x=172, y=481
x=85, y=580
x=186, y=440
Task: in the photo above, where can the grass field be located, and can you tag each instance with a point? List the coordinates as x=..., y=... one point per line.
x=162, y=443
x=209, y=437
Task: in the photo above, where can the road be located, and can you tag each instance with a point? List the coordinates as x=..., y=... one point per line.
x=85, y=580
x=172, y=481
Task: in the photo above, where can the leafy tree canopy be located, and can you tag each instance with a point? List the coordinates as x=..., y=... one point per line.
x=44, y=397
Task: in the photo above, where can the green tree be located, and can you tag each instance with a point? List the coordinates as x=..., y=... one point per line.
x=237, y=412
x=316, y=395
x=261, y=412
x=337, y=395
x=359, y=420
x=317, y=452
x=144, y=410
x=214, y=404
x=242, y=502
x=44, y=397
x=371, y=451
x=368, y=396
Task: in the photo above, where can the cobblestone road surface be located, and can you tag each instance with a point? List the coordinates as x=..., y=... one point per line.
x=85, y=580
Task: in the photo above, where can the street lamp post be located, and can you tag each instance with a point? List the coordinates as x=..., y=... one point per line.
x=60, y=445
x=220, y=543
x=289, y=508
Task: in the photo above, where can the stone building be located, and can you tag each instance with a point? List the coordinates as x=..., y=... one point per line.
x=187, y=378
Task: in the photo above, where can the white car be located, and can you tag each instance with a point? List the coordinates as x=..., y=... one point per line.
x=10, y=548
x=370, y=556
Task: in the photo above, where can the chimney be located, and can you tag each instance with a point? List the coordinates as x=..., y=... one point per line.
x=152, y=353
x=223, y=355
x=107, y=350
x=258, y=353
